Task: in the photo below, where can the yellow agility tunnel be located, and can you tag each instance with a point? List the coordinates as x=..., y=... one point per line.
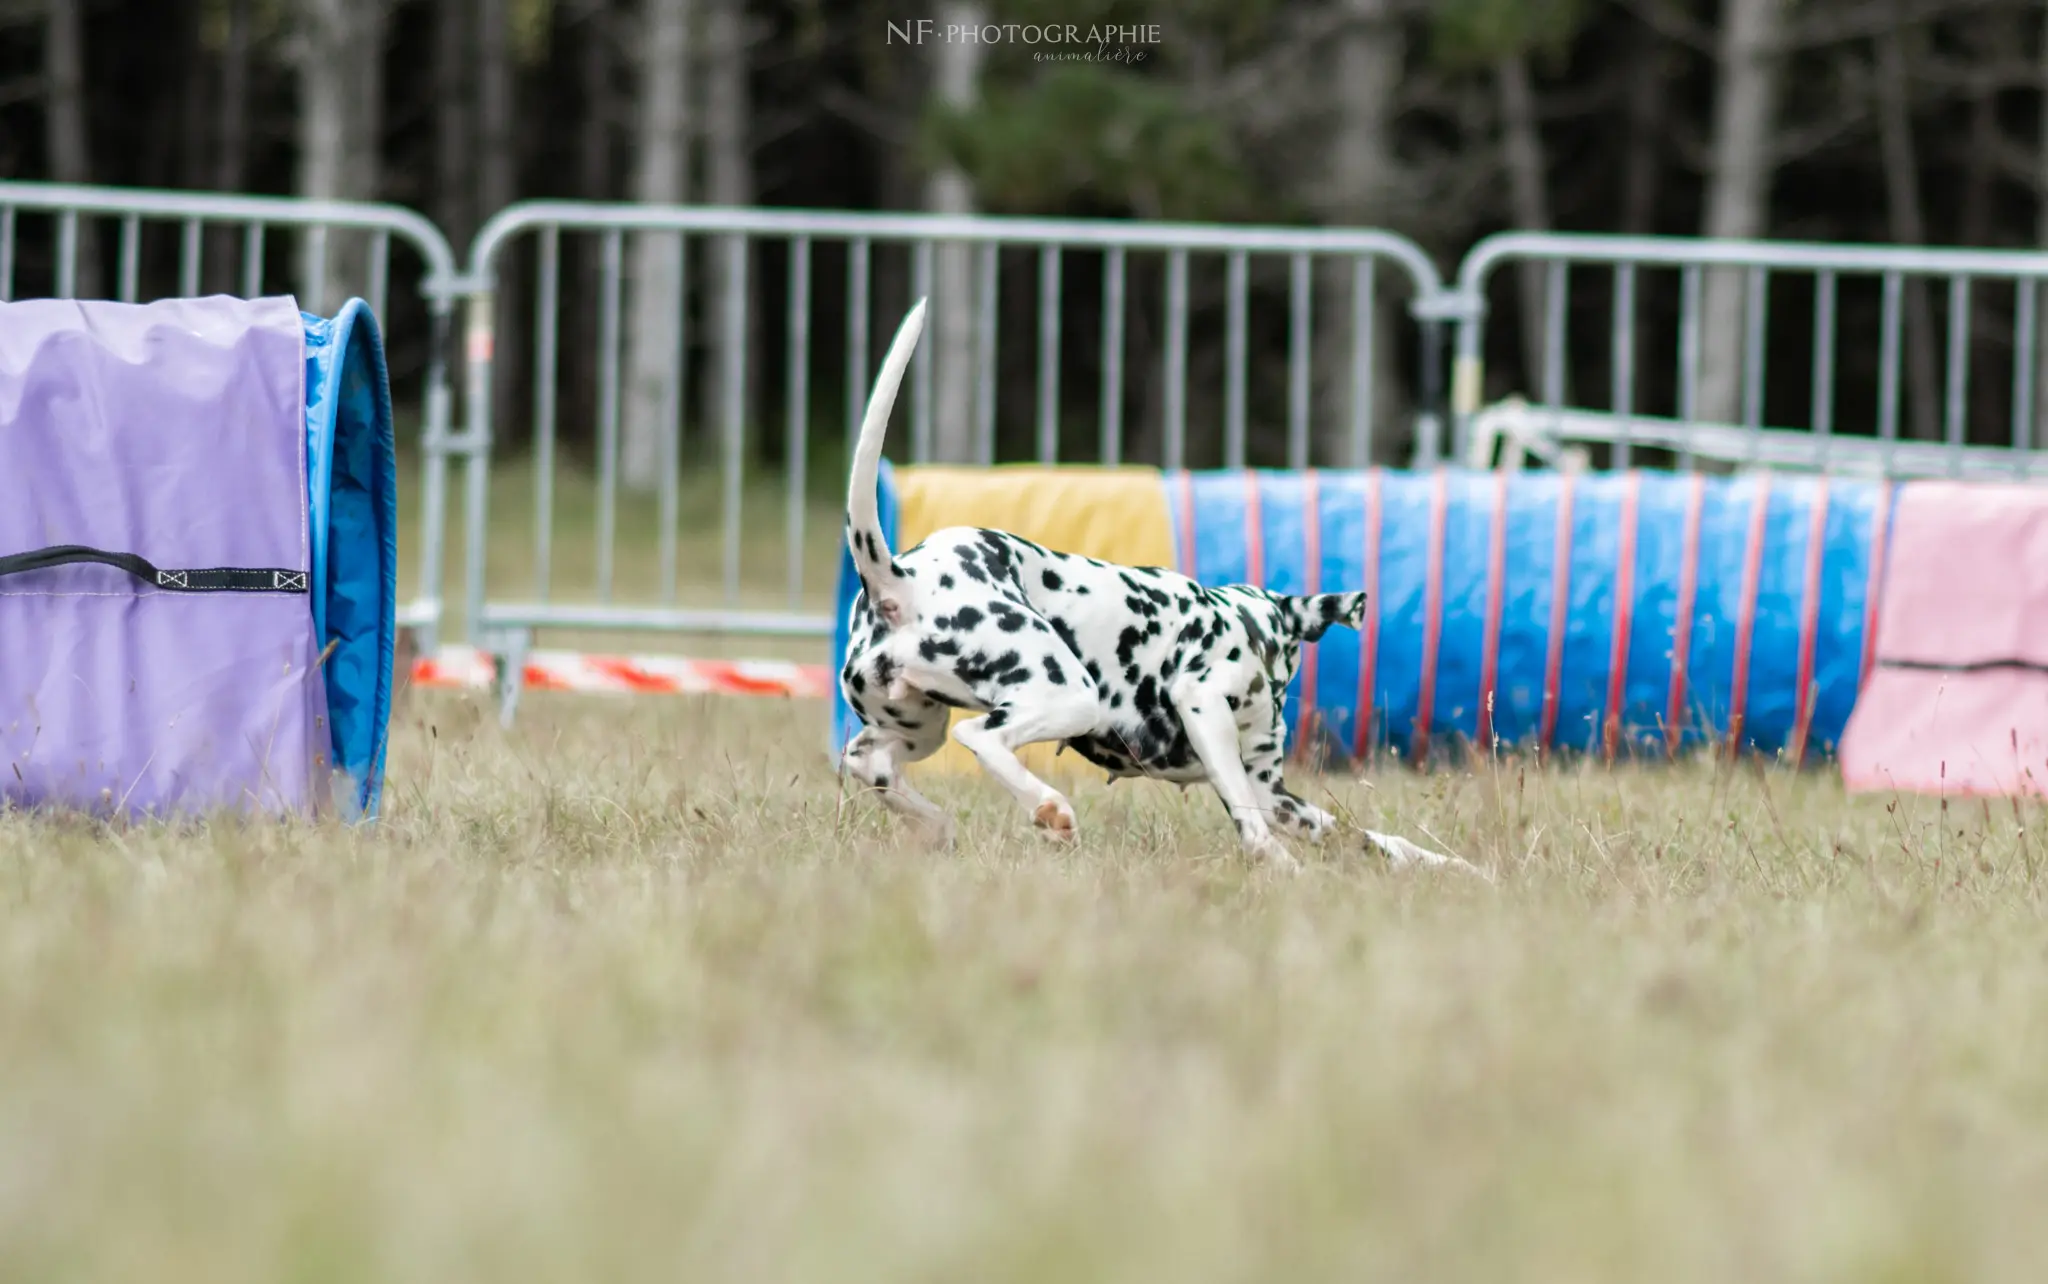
x=1629, y=611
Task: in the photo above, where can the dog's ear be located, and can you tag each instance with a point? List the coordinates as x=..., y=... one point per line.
x=1319, y=611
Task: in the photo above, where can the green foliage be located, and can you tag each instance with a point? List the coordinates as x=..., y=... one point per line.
x=1471, y=33
x=1096, y=130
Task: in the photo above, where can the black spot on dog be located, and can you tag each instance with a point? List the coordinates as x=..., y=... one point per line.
x=1051, y=579
x=1066, y=635
x=996, y=718
x=945, y=581
x=1127, y=645
x=1053, y=673
x=965, y=618
x=930, y=649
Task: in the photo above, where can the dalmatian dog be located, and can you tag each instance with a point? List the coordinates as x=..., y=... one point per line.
x=1140, y=670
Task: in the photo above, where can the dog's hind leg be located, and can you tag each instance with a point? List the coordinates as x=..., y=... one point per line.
x=876, y=758
x=1029, y=715
x=1212, y=731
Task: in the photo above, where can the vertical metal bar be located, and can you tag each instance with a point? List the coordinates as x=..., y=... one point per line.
x=1112, y=414
x=1824, y=354
x=380, y=272
x=67, y=254
x=734, y=382
x=1623, y=349
x=479, y=347
x=1955, y=413
x=1364, y=282
x=799, y=402
x=985, y=376
x=1756, y=318
x=131, y=253
x=1176, y=373
x=6, y=254
x=2024, y=325
x=316, y=258
x=1298, y=340
x=191, y=257
x=1888, y=363
x=608, y=407
x=1556, y=299
x=857, y=311
x=546, y=334
x=920, y=361
x=252, y=261
x=1688, y=354
x=1049, y=354
x=668, y=501
x=1236, y=282
x=435, y=439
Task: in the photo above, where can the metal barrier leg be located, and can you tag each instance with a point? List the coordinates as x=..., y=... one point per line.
x=508, y=664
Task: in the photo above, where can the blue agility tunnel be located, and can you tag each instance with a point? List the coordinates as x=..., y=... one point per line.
x=1609, y=612
x=198, y=556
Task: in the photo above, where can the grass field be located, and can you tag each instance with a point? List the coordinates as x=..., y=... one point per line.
x=627, y=993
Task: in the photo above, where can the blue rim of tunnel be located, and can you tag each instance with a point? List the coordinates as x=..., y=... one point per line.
x=352, y=480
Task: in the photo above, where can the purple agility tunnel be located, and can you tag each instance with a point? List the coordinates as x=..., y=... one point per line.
x=198, y=558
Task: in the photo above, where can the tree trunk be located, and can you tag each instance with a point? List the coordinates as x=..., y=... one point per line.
x=455, y=186
x=661, y=168
x=1738, y=189
x=2040, y=406
x=193, y=100
x=596, y=66
x=1990, y=36
x=231, y=157
x=1531, y=205
x=728, y=137
x=340, y=55
x=1365, y=72
x=497, y=185
x=1644, y=166
x=952, y=330
x=69, y=140
x=1907, y=226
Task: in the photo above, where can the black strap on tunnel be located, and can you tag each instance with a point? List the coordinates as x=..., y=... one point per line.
x=1962, y=666
x=216, y=579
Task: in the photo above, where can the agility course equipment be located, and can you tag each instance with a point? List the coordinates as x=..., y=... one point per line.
x=1957, y=702
x=198, y=557
x=469, y=668
x=1612, y=612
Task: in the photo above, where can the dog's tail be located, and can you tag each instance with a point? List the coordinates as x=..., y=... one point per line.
x=888, y=589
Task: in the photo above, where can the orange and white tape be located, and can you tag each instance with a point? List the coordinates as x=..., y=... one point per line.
x=467, y=667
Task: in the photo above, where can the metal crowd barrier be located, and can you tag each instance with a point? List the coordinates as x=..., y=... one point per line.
x=735, y=242
x=195, y=214
x=1634, y=264
x=881, y=260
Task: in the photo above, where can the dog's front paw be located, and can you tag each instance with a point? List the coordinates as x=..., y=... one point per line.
x=1316, y=823
x=1055, y=818
x=1276, y=856
x=1260, y=844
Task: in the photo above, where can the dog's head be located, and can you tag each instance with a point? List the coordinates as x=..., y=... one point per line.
x=1306, y=617
x=1279, y=623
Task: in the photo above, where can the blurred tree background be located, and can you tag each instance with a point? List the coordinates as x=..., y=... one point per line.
x=1840, y=120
